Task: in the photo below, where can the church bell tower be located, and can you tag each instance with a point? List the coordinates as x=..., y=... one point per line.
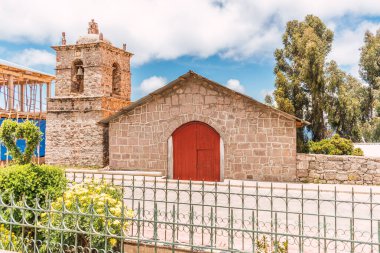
x=93, y=80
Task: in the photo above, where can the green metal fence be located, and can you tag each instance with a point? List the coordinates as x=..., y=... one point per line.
x=178, y=216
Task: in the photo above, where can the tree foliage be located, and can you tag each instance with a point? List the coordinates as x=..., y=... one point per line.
x=300, y=67
x=11, y=131
x=268, y=100
x=369, y=68
x=371, y=130
x=344, y=102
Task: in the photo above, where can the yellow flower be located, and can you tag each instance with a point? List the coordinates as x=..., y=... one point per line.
x=113, y=241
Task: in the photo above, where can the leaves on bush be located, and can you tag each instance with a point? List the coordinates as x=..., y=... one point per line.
x=334, y=146
x=11, y=131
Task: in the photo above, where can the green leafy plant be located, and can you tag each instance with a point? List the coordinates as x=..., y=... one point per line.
x=93, y=209
x=357, y=152
x=32, y=181
x=11, y=131
x=263, y=245
x=334, y=146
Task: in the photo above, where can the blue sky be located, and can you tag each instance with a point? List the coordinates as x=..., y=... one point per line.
x=229, y=41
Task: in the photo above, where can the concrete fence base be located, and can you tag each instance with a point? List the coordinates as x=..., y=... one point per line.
x=133, y=247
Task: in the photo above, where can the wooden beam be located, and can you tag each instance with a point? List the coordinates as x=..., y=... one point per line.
x=40, y=98
x=41, y=79
x=11, y=93
x=22, y=115
x=21, y=97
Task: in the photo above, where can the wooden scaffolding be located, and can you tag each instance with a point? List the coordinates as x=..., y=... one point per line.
x=23, y=91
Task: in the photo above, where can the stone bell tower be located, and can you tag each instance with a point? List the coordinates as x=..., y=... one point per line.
x=93, y=81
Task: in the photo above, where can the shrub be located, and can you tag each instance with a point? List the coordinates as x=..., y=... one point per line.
x=11, y=131
x=32, y=181
x=334, y=146
x=358, y=152
x=6, y=237
x=92, y=207
x=264, y=245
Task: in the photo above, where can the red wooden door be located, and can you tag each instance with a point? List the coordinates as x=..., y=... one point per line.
x=196, y=152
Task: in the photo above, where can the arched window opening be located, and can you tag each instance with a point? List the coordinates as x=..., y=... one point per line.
x=116, y=79
x=77, y=77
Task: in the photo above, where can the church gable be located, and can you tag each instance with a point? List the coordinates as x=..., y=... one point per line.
x=193, y=89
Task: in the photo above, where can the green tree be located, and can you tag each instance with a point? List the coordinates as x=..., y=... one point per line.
x=369, y=68
x=268, y=100
x=344, y=101
x=371, y=130
x=300, y=66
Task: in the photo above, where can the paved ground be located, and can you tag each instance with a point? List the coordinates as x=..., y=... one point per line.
x=298, y=213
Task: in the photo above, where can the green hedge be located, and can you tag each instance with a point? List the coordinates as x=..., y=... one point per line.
x=32, y=181
x=334, y=146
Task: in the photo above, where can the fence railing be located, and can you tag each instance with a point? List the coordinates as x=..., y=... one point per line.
x=179, y=216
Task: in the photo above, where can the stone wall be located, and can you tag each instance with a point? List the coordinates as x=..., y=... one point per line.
x=97, y=59
x=259, y=142
x=75, y=138
x=73, y=135
x=332, y=169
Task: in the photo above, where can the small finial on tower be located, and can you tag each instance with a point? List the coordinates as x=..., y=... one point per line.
x=63, y=41
x=124, y=47
x=101, y=36
x=93, y=27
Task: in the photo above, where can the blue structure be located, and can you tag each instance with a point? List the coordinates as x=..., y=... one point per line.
x=21, y=143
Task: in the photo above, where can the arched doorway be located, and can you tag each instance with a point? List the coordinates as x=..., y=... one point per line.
x=196, y=152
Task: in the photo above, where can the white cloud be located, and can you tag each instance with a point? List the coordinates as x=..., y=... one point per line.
x=346, y=45
x=152, y=83
x=156, y=29
x=265, y=92
x=235, y=85
x=33, y=57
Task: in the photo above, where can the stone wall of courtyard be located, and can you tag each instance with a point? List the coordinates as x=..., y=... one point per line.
x=259, y=142
x=335, y=169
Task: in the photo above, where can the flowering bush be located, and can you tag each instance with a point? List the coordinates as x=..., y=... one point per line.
x=6, y=237
x=94, y=210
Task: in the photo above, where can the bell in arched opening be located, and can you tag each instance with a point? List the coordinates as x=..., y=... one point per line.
x=77, y=77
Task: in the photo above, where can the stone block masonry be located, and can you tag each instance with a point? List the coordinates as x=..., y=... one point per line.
x=259, y=143
x=330, y=169
x=74, y=136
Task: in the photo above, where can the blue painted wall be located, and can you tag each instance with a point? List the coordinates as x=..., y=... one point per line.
x=21, y=143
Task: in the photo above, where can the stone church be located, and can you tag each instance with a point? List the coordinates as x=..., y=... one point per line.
x=192, y=128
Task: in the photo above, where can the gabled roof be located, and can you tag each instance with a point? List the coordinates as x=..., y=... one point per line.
x=177, y=81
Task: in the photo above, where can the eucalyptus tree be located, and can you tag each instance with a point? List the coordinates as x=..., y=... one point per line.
x=300, y=73
x=343, y=102
x=369, y=68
